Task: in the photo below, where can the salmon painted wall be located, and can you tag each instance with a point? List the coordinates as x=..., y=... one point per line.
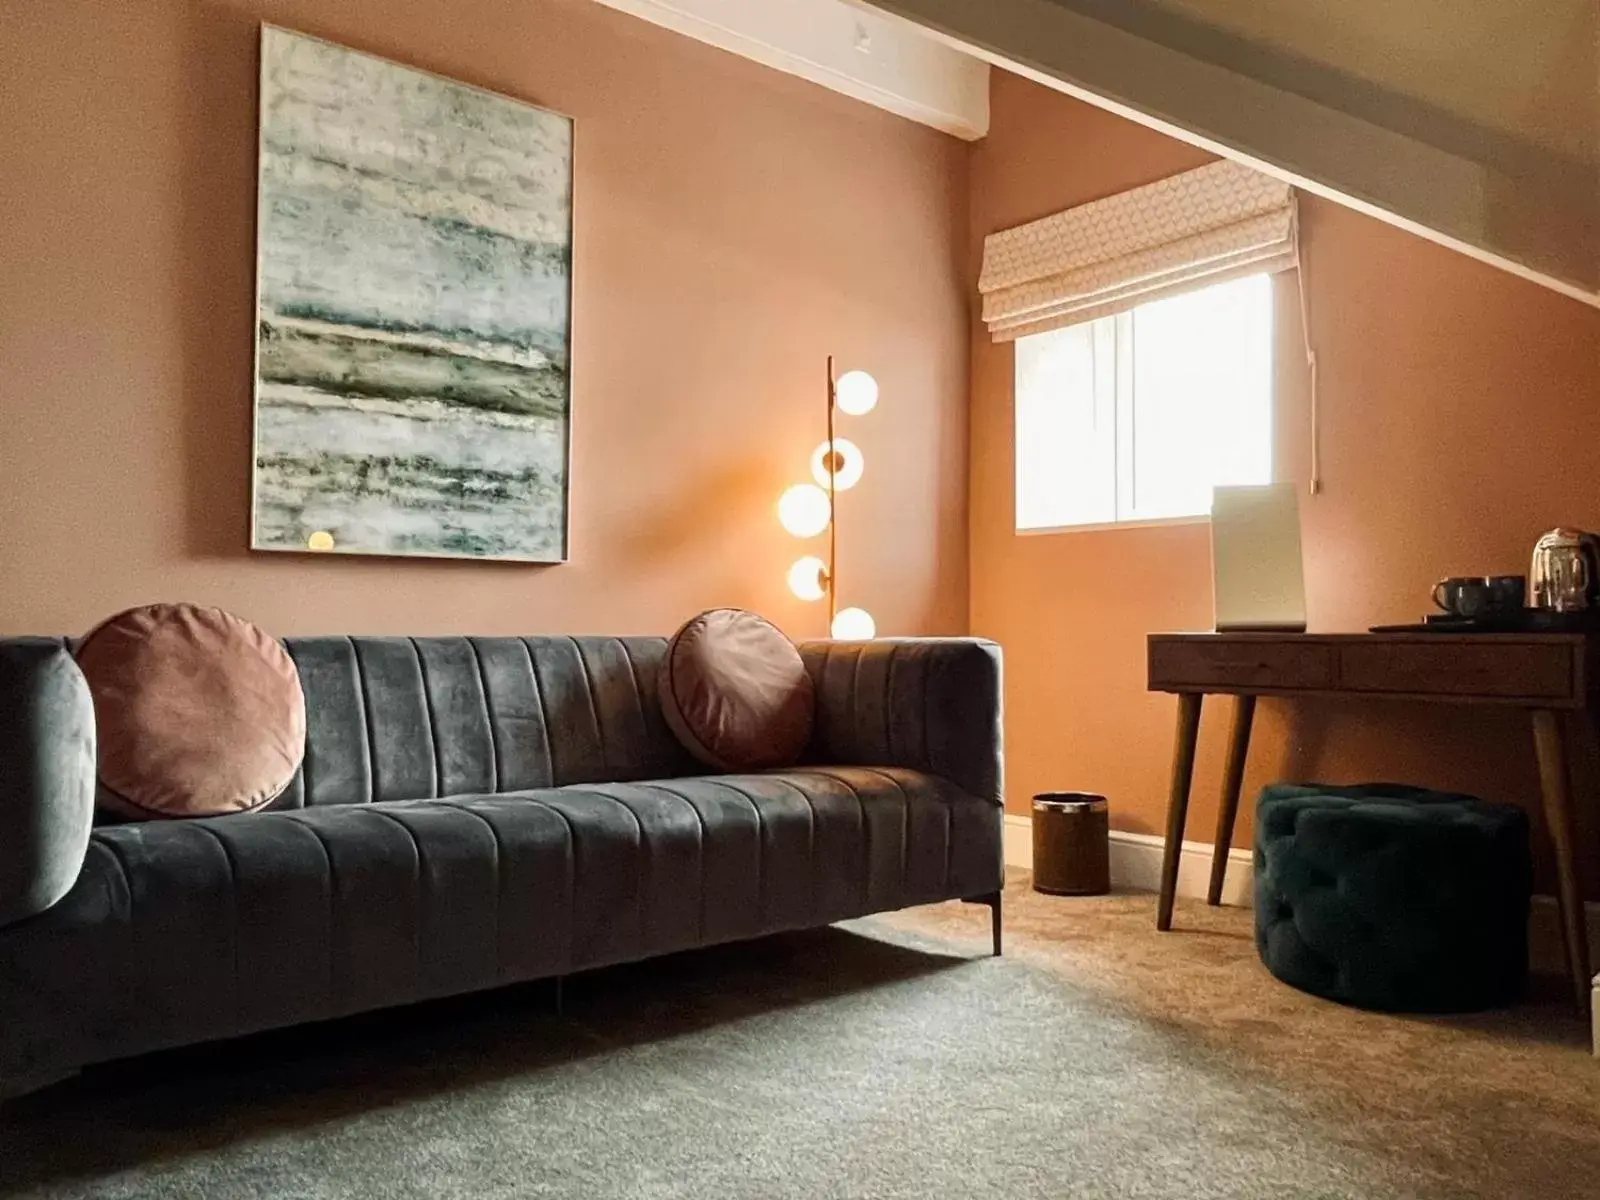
x=733, y=227
x=1460, y=419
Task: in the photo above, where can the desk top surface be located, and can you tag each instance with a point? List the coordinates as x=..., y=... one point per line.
x=1416, y=636
x=1538, y=670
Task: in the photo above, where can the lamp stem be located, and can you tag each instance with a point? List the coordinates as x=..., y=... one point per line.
x=833, y=491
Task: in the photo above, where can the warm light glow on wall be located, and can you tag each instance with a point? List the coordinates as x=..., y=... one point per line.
x=805, y=509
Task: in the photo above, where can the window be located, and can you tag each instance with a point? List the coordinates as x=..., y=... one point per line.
x=1137, y=416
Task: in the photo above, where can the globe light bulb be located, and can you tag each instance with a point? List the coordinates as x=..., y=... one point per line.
x=803, y=510
x=808, y=578
x=854, y=625
x=848, y=464
x=856, y=393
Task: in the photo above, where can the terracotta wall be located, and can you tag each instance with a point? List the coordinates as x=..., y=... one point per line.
x=734, y=226
x=1461, y=418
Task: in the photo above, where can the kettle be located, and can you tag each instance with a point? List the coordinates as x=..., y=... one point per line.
x=1565, y=574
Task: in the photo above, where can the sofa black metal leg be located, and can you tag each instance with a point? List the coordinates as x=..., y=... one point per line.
x=994, y=901
x=560, y=996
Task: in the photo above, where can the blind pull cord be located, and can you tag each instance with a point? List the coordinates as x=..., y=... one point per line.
x=1311, y=356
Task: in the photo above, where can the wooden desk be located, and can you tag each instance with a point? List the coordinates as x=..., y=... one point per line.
x=1549, y=676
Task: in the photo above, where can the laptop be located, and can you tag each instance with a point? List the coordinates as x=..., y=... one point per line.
x=1257, y=578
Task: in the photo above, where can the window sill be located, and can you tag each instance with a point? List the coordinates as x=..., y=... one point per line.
x=1104, y=526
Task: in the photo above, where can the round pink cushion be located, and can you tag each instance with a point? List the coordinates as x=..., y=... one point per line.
x=736, y=693
x=197, y=712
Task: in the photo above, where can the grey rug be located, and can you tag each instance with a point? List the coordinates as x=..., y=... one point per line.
x=861, y=1061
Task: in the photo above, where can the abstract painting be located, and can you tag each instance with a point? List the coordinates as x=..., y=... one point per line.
x=414, y=264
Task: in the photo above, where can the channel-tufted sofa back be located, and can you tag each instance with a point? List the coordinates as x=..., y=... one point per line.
x=416, y=718
x=395, y=718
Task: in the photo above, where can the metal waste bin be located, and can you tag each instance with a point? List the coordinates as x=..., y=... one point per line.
x=1071, y=844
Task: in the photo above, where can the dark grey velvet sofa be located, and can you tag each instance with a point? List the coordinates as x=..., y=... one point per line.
x=471, y=812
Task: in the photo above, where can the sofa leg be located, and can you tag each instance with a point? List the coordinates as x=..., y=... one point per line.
x=994, y=900
x=560, y=998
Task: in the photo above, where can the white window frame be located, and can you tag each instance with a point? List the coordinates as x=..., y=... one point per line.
x=1113, y=400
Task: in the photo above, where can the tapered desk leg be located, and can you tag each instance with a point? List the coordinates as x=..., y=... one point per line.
x=1555, y=784
x=1178, y=802
x=1244, y=715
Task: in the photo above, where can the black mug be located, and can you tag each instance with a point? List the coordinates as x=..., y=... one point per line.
x=1475, y=596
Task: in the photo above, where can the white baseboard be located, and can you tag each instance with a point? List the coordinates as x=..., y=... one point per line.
x=1136, y=863
x=1136, y=867
x=1019, y=841
x=1594, y=1014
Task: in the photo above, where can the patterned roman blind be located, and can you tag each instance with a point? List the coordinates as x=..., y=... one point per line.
x=1204, y=226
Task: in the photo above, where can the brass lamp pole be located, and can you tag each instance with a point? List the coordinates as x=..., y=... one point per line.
x=831, y=457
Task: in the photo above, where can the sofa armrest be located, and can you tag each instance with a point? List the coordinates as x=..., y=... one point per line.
x=47, y=775
x=931, y=704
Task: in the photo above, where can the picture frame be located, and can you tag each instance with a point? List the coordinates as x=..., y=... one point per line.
x=412, y=382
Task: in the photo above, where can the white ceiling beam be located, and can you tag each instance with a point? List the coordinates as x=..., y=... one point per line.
x=868, y=55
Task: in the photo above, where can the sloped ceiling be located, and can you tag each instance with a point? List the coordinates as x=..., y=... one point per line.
x=1477, y=70
x=1474, y=122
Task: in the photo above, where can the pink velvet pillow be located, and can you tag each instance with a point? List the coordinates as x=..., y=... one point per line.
x=736, y=693
x=197, y=712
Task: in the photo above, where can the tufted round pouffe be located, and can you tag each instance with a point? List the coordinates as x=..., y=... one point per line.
x=1392, y=897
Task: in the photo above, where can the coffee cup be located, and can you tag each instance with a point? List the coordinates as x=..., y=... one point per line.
x=1475, y=596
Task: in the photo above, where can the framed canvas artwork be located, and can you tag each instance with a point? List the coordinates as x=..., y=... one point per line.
x=413, y=277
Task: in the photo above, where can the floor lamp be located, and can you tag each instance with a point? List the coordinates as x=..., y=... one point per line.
x=807, y=509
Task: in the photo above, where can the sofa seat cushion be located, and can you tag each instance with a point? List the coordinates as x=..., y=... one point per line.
x=206, y=928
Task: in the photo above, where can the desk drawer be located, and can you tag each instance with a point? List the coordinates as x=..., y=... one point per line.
x=1512, y=670
x=1233, y=664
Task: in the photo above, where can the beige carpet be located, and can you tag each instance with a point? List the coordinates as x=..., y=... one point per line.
x=1496, y=1105
x=889, y=1059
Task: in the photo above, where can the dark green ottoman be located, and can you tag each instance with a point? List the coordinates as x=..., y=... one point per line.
x=1392, y=897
